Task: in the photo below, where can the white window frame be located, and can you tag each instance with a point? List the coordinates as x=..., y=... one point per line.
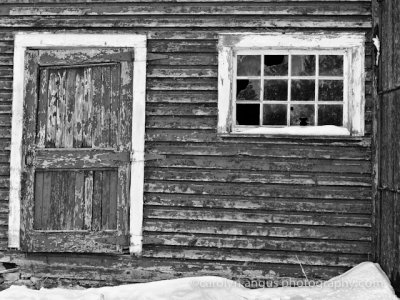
x=350, y=44
x=22, y=42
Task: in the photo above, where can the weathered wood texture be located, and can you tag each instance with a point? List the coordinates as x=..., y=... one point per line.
x=386, y=135
x=77, y=113
x=62, y=204
x=77, y=149
x=242, y=207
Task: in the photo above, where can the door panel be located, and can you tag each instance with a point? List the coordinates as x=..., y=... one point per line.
x=67, y=196
x=80, y=106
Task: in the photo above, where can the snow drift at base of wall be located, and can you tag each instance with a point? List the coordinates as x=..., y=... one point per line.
x=366, y=281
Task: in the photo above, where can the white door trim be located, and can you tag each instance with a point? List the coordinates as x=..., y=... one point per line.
x=75, y=40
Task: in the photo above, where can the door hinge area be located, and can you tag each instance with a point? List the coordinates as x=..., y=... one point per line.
x=30, y=158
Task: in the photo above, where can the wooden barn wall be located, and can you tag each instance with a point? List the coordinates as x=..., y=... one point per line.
x=235, y=207
x=387, y=140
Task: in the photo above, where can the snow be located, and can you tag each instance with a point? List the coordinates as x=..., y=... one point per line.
x=364, y=282
x=326, y=130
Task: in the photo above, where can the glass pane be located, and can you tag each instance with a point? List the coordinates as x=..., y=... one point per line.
x=247, y=114
x=274, y=114
x=330, y=90
x=248, y=65
x=247, y=89
x=302, y=115
x=275, y=89
x=331, y=65
x=275, y=65
x=303, y=90
x=330, y=115
x=303, y=65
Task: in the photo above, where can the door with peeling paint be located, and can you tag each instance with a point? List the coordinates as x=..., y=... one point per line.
x=77, y=143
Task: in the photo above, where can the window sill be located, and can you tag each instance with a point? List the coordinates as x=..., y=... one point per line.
x=328, y=130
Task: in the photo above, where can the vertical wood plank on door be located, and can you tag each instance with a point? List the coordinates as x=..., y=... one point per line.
x=113, y=200
x=79, y=200
x=105, y=200
x=42, y=108
x=46, y=204
x=52, y=110
x=88, y=199
x=125, y=144
x=38, y=201
x=114, y=106
x=123, y=198
x=78, y=97
x=29, y=137
x=97, y=107
x=55, y=203
x=63, y=177
x=69, y=199
x=105, y=107
x=70, y=107
x=96, y=206
x=87, y=111
x=125, y=106
x=61, y=109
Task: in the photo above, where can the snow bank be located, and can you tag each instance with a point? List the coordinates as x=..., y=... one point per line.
x=364, y=282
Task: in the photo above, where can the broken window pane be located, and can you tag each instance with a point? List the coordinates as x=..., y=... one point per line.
x=275, y=65
x=274, y=114
x=331, y=65
x=303, y=90
x=303, y=65
x=330, y=90
x=248, y=65
x=247, y=89
x=330, y=115
x=275, y=89
x=247, y=114
x=302, y=115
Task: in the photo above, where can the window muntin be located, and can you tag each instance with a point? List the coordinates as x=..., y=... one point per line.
x=288, y=88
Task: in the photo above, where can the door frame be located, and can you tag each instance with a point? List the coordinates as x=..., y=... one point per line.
x=24, y=41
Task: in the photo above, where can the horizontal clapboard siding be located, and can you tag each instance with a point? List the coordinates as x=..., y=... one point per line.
x=271, y=8
x=237, y=207
x=245, y=199
x=6, y=52
x=6, y=73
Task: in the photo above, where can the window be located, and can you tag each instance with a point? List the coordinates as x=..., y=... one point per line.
x=301, y=84
x=80, y=100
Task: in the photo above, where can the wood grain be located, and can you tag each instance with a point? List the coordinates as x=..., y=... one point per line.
x=81, y=185
x=302, y=8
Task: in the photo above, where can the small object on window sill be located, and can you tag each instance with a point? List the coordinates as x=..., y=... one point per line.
x=303, y=121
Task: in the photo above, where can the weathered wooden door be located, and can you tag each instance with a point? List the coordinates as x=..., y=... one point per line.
x=387, y=137
x=77, y=146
